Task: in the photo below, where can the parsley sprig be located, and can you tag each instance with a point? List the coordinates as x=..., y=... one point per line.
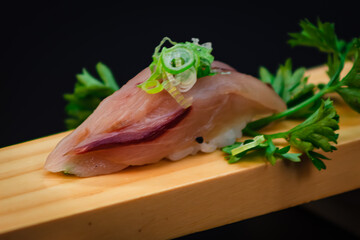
x=316, y=132
x=292, y=87
x=323, y=38
x=305, y=100
x=88, y=93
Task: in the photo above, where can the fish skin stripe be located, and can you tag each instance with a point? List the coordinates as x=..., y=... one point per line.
x=124, y=138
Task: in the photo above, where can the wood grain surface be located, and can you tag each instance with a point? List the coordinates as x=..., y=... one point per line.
x=167, y=199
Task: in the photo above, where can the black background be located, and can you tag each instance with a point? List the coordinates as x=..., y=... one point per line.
x=45, y=45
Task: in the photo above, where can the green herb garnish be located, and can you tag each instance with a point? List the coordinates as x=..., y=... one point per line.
x=88, y=93
x=322, y=37
x=316, y=132
x=177, y=68
x=305, y=100
x=180, y=57
x=292, y=87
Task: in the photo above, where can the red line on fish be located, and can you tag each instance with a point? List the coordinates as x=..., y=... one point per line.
x=125, y=138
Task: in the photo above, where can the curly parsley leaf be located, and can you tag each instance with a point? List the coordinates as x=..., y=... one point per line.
x=88, y=93
x=322, y=36
x=263, y=143
x=316, y=132
x=291, y=86
x=349, y=87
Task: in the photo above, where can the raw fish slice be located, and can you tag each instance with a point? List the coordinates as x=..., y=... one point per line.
x=131, y=127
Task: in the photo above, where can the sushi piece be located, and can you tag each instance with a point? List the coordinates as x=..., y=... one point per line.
x=132, y=127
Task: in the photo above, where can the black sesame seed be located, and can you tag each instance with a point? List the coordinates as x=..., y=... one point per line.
x=199, y=139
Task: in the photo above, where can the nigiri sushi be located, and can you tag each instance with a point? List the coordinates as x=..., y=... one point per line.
x=132, y=127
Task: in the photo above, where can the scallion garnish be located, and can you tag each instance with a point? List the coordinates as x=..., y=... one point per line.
x=152, y=86
x=178, y=67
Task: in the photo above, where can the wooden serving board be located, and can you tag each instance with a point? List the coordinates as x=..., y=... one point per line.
x=167, y=199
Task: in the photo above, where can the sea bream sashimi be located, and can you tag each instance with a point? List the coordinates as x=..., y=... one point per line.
x=132, y=127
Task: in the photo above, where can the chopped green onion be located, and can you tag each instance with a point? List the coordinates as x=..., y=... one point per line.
x=152, y=86
x=176, y=69
x=176, y=94
x=177, y=59
x=187, y=79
